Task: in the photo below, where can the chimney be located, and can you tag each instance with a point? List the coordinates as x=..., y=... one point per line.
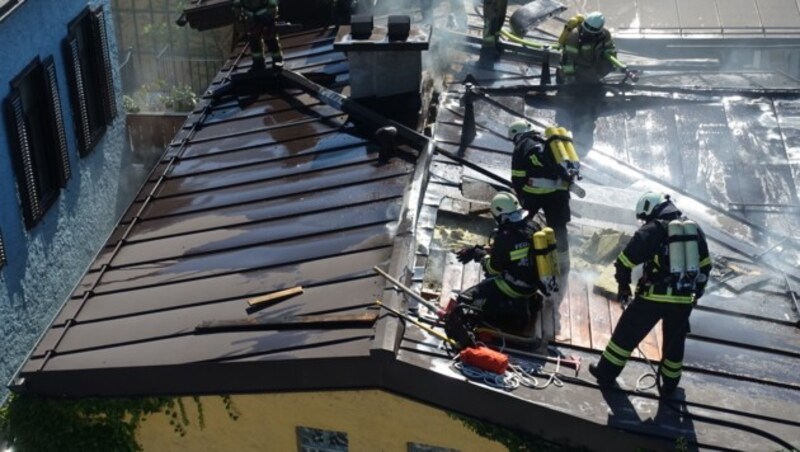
x=385, y=59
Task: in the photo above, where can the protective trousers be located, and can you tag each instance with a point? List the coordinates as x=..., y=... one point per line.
x=257, y=36
x=494, y=14
x=557, y=214
x=497, y=310
x=634, y=324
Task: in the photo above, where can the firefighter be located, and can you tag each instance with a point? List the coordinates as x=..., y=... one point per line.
x=508, y=299
x=541, y=182
x=676, y=262
x=494, y=15
x=257, y=21
x=587, y=50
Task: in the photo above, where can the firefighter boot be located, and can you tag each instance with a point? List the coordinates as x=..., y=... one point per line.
x=604, y=379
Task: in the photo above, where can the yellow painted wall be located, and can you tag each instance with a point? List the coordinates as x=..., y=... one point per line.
x=374, y=421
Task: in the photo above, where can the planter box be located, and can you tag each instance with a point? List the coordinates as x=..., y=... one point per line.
x=150, y=132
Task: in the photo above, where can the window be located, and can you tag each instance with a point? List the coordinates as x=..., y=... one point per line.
x=316, y=440
x=6, y=6
x=416, y=447
x=91, y=82
x=38, y=142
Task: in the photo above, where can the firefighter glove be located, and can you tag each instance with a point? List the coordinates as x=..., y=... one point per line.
x=624, y=295
x=470, y=253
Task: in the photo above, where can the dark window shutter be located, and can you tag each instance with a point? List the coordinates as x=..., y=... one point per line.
x=80, y=106
x=2, y=253
x=105, y=75
x=57, y=119
x=29, y=186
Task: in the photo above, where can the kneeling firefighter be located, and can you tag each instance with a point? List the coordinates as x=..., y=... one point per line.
x=588, y=51
x=676, y=262
x=509, y=299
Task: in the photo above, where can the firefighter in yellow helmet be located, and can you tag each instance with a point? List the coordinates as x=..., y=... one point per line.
x=494, y=15
x=674, y=253
x=256, y=19
x=587, y=50
x=509, y=298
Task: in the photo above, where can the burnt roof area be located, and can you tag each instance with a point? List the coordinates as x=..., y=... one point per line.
x=280, y=186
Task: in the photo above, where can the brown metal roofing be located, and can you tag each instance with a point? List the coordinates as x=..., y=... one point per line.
x=255, y=195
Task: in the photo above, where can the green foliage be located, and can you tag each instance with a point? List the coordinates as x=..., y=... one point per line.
x=157, y=96
x=130, y=105
x=181, y=98
x=33, y=423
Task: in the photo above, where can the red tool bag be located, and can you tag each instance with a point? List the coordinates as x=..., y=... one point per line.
x=484, y=358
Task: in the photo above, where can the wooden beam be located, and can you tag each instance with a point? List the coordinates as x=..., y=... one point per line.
x=308, y=322
x=275, y=296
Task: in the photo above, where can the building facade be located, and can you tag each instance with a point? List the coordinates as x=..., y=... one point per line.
x=62, y=158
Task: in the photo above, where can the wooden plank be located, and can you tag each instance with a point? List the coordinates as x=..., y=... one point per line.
x=360, y=320
x=600, y=318
x=451, y=279
x=548, y=316
x=579, y=311
x=275, y=296
x=563, y=320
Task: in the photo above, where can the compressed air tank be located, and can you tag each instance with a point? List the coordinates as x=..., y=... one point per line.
x=677, y=263
x=691, y=247
x=543, y=263
x=569, y=148
x=552, y=255
x=556, y=146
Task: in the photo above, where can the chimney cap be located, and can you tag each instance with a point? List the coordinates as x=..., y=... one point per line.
x=361, y=26
x=399, y=27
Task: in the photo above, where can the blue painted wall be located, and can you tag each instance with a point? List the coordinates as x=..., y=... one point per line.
x=44, y=264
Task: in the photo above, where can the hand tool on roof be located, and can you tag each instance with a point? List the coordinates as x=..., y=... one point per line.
x=426, y=328
x=300, y=322
x=532, y=14
x=573, y=362
x=432, y=307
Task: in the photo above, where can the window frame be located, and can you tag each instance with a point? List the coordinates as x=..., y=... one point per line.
x=91, y=82
x=40, y=121
x=300, y=431
x=8, y=6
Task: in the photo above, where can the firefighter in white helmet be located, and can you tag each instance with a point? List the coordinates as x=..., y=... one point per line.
x=587, y=50
x=541, y=183
x=674, y=253
x=509, y=299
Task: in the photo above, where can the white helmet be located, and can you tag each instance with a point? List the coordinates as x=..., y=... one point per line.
x=594, y=22
x=519, y=126
x=506, y=208
x=648, y=203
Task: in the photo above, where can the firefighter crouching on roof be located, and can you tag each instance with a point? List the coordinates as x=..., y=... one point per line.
x=587, y=50
x=541, y=170
x=257, y=21
x=676, y=262
x=508, y=299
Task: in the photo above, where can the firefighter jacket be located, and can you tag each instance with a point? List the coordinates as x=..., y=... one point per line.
x=256, y=10
x=511, y=259
x=534, y=170
x=587, y=53
x=650, y=246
